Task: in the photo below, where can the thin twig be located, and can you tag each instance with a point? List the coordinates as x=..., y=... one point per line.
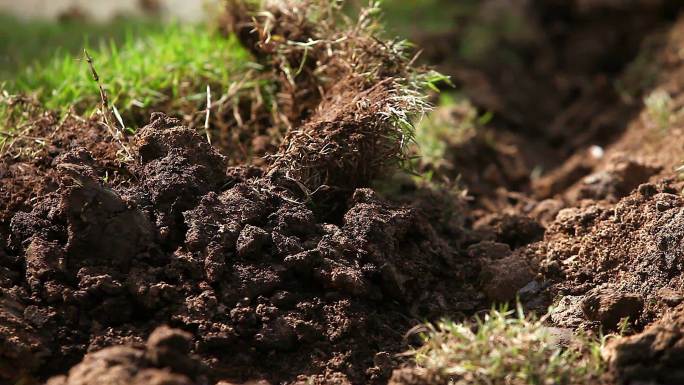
x=103, y=95
x=105, y=106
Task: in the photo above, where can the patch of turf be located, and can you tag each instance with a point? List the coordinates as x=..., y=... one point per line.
x=167, y=69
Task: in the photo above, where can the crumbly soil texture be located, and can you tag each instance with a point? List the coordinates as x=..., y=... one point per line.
x=267, y=289
x=152, y=260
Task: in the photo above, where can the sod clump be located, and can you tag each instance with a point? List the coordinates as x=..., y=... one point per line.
x=360, y=95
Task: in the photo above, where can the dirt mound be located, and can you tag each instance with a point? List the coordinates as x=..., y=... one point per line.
x=610, y=262
x=612, y=210
x=164, y=359
x=27, y=165
x=615, y=253
x=593, y=62
x=298, y=273
x=272, y=280
x=234, y=261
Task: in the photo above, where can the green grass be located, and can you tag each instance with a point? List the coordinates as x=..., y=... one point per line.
x=168, y=69
x=23, y=43
x=506, y=349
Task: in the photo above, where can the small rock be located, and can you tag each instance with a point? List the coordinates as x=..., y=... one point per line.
x=167, y=347
x=609, y=307
x=529, y=290
x=670, y=297
x=567, y=313
x=647, y=190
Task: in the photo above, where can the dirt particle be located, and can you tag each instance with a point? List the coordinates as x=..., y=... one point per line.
x=170, y=348
x=608, y=307
x=647, y=190
x=135, y=366
x=251, y=240
x=616, y=180
x=489, y=249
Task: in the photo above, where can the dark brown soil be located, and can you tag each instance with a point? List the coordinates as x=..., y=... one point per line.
x=228, y=258
x=181, y=267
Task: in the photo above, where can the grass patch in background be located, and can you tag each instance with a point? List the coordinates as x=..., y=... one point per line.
x=169, y=67
x=25, y=43
x=506, y=349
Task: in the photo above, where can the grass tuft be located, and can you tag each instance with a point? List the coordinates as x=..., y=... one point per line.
x=26, y=42
x=354, y=93
x=504, y=348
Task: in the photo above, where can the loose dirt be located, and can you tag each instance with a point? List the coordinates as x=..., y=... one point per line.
x=223, y=255
x=178, y=267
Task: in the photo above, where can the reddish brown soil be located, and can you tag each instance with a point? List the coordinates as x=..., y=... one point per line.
x=616, y=261
x=553, y=89
x=614, y=252
x=611, y=249
x=654, y=356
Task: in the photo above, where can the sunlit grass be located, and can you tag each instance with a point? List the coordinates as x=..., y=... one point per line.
x=24, y=43
x=170, y=67
x=506, y=348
